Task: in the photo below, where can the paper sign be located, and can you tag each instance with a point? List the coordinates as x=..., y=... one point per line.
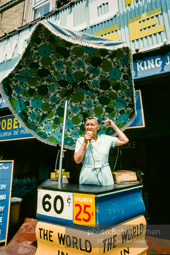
x=55, y=204
x=84, y=209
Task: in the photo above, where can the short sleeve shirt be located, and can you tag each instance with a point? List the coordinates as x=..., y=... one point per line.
x=97, y=151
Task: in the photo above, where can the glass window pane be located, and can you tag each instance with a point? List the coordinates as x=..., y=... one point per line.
x=38, y=1
x=41, y=10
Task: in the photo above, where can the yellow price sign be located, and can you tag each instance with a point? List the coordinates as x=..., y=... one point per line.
x=84, y=209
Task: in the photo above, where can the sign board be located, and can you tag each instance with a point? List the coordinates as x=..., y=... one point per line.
x=55, y=204
x=151, y=65
x=139, y=121
x=125, y=238
x=10, y=129
x=6, y=174
x=84, y=209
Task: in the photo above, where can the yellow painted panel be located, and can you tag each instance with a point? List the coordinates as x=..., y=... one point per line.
x=112, y=36
x=146, y=15
x=136, y=26
x=61, y=240
x=128, y=2
x=148, y=23
x=107, y=30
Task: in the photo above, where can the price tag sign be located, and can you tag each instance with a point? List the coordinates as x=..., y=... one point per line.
x=84, y=209
x=55, y=204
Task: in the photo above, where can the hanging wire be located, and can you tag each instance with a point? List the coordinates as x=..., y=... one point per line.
x=56, y=162
x=116, y=159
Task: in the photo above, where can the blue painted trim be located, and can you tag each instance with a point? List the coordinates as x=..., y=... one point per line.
x=120, y=191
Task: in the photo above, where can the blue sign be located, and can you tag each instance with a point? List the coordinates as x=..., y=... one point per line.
x=6, y=173
x=139, y=120
x=10, y=129
x=152, y=65
x=2, y=103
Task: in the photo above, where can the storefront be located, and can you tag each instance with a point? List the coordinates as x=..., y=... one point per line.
x=153, y=77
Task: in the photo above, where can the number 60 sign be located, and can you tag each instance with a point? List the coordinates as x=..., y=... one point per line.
x=84, y=209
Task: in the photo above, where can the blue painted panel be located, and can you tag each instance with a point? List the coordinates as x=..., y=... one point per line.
x=117, y=208
x=138, y=121
x=6, y=171
x=151, y=65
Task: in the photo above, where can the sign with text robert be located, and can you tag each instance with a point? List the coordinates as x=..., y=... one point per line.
x=6, y=173
x=78, y=208
x=10, y=129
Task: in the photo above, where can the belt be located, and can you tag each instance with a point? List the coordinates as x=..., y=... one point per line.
x=96, y=167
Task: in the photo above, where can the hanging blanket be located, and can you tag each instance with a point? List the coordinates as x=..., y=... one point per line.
x=93, y=74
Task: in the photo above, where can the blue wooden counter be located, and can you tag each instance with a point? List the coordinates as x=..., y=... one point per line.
x=114, y=204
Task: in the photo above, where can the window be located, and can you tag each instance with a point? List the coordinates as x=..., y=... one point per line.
x=37, y=8
x=40, y=8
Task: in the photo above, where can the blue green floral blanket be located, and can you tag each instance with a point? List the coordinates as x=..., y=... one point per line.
x=93, y=74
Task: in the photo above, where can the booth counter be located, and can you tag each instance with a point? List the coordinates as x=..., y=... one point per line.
x=89, y=206
x=80, y=219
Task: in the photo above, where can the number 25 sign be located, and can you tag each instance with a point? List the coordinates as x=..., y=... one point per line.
x=84, y=209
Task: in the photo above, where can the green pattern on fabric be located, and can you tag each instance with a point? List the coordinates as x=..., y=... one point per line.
x=52, y=70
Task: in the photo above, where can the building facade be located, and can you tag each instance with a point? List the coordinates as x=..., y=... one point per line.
x=145, y=27
x=11, y=15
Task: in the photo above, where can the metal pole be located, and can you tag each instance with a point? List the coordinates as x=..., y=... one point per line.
x=62, y=143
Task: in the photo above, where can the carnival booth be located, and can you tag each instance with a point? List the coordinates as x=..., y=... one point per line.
x=78, y=219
